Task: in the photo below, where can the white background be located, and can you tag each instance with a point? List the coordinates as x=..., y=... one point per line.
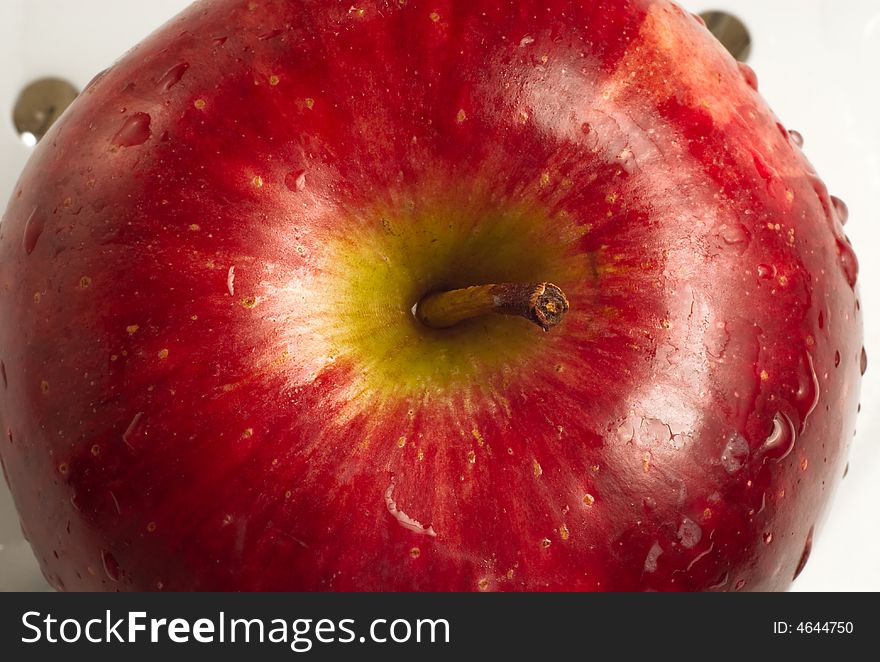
x=817, y=63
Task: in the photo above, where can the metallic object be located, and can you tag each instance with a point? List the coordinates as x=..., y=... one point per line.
x=731, y=32
x=39, y=105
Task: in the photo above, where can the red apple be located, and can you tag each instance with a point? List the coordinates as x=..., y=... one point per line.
x=212, y=376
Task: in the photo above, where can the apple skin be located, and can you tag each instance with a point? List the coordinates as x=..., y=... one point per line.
x=211, y=378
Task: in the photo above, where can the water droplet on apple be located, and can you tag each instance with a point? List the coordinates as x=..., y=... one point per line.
x=135, y=131
x=296, y=181
x=173, y=76
x=781, y=440
x=720, y=582
x=734, y=236
x=230, y=281
x=651, y=559
x=748, y=74
x=96, y=79
x=111, y=566
x=680, y=440
x=33, y=228
x=768, y=538
x=836, y=359
x=3, y=374
x=735, y=453
x=272, y=34
x=796, y=137
x=689, y=533
x=805, y=555
x=840, y=209
x=653, y=432
x=863, y=361
x=402, y=518
x=131, y=430
x=717, y=340
x=848, y=262
x=625, y=433
x=806, y=397
x=766, y=271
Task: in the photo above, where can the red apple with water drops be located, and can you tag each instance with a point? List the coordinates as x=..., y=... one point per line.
x=250, y=285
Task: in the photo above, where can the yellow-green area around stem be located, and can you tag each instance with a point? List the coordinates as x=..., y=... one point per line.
x=384, y=260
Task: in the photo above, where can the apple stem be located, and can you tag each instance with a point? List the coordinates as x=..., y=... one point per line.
x=543, y=304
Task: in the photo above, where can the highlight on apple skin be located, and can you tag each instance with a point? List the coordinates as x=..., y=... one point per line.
x=216, y=374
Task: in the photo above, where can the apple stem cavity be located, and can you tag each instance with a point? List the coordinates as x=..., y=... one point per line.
x=543, y=304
